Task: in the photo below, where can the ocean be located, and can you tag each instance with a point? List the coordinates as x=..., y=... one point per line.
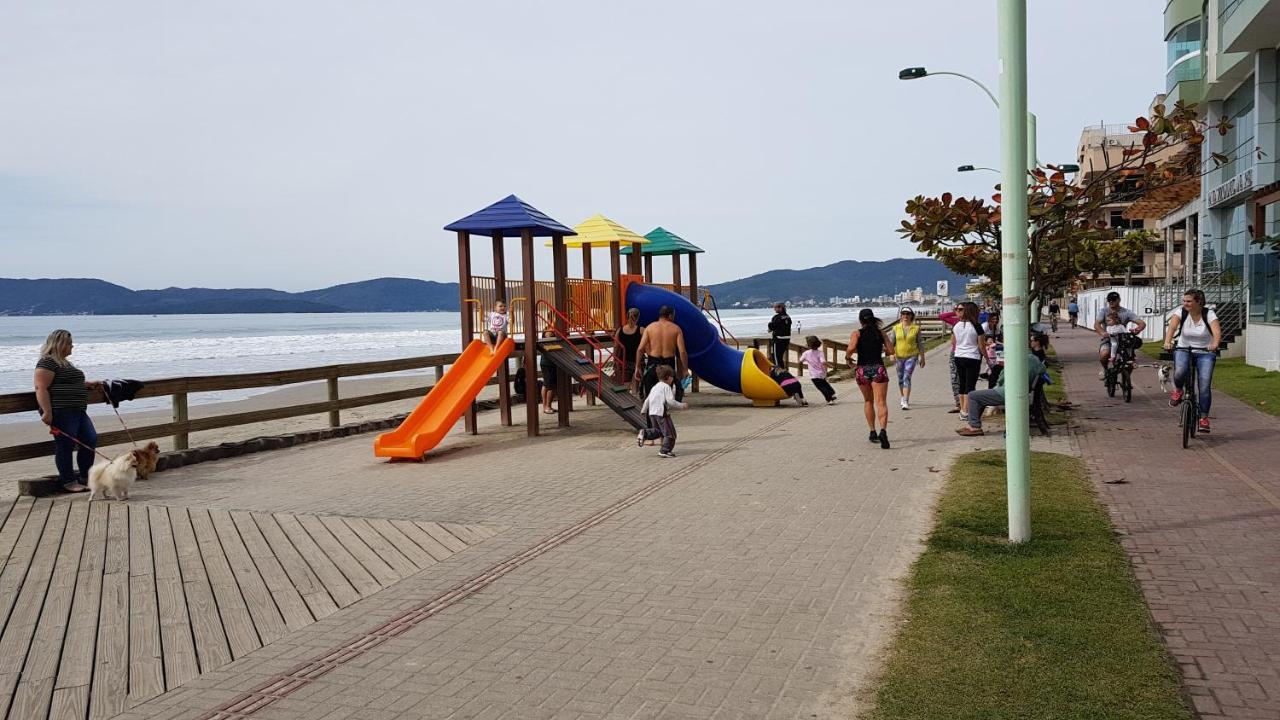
x=156, y=346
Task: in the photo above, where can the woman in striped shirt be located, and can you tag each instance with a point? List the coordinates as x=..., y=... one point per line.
x=63, y=397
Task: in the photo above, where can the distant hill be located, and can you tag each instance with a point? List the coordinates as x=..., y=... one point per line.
x=71, y=296
x=843, y=279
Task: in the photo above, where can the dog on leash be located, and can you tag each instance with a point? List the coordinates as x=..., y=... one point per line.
x=1164, y=374
x=147, y=458
x=113, y=479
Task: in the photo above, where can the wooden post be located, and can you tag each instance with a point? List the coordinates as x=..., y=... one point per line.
x=586, y=261
x=648, y=269
x=180, y=415
x=464, y=293
x=615, y=293
x=588, y=308
x=439, y=372
x=335, y=418
x=530, y=332
x=633, y=260
x=500, y=286
x=693, y=296
x=675, y=273
x=560, y=288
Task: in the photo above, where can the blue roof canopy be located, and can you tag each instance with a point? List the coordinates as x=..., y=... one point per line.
x=510, y=215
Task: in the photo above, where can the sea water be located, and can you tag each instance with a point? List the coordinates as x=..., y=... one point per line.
x=161, y=346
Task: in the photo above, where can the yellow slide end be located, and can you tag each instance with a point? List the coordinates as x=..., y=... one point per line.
x=756, y=383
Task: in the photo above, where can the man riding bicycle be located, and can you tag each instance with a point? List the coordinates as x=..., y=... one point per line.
x=1054, y=312
x=1126, y=316
x=1073, y=311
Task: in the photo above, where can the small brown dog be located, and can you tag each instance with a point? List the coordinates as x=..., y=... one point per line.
x=147, y=458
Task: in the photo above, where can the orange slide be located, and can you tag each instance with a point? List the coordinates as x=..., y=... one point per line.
x=445, y=403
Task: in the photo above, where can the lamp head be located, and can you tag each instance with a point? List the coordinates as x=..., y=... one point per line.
x=912, y=73
x=965, y=168
x=1069, y=168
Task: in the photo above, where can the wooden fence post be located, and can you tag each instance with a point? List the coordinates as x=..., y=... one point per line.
x=439, y=373
x=334, y=416
x=180, y=439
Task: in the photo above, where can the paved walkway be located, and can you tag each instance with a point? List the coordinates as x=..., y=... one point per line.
x=1201, y=525
x=753, y=576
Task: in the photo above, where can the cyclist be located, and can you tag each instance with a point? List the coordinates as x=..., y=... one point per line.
x=1099, y=325
x=1073, y=311
x=1198, y=335
x=1054, y=312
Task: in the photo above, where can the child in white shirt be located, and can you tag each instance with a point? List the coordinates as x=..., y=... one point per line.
x=1115, y=330
x=495, y=326
x=812, y=359
x=661, y=399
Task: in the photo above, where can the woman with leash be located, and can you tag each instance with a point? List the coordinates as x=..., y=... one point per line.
x=63, y=396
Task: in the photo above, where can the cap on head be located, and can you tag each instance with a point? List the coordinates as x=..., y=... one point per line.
x=1113, y=296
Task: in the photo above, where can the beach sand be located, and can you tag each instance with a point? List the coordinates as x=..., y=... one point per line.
x=34, y=431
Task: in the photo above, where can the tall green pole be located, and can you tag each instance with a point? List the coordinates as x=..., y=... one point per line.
x=1012, y=26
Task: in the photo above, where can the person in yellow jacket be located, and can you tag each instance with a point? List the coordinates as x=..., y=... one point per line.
x=908, y=346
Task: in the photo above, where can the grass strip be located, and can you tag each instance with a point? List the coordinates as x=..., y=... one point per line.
x=1052, y=628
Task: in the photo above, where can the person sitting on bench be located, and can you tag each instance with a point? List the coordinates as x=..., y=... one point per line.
x=980, y=400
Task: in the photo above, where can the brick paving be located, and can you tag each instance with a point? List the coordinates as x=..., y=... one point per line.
x=756, y=575
x=1202, y=527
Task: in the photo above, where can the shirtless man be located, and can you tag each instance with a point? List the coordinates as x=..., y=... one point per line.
x=661, y=344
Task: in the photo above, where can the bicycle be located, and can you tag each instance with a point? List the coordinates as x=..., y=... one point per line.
x=1053, y=322
x=1190, y=415
x=1120, y=370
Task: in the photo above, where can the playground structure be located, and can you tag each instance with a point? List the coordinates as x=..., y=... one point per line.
x=571, y=321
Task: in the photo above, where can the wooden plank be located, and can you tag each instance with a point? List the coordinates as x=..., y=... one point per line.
x=35, y=689
x=14, y=521
x=444, y=537
x=111, y=660
x=178, y=647
x=146, y=662
x=75, y=668
x=396, y=559
x=422, y=539
x=291, y=605
x=352, y=570
x=463, y=533
x=21, y=626
x=340, y=589
x=15, y=569
x=70, y=703
x=484, y=531
x=212, y=648
x=242, y=636
x=416, y=555
x=300, y=574
x=381, y=571
x=266, y=616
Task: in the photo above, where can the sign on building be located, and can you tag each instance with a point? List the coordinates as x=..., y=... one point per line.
x=1231, y=189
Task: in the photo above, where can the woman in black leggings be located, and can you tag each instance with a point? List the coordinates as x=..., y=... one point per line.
x=971, y=347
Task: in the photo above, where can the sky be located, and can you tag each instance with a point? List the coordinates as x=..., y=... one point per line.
x=297, y=144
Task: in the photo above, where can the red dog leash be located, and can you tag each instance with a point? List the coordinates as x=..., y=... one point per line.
x=56, y=432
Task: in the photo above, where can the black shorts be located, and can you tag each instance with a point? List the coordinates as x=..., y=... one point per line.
x=548, y=376
x=967, y=370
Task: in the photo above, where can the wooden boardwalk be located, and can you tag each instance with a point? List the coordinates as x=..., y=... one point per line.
x=104, y=605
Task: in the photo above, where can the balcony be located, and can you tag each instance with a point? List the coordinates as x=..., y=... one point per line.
x=1245, y=25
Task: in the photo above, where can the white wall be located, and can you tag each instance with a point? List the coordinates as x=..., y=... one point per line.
x=1262, y=345
x=1141, y=300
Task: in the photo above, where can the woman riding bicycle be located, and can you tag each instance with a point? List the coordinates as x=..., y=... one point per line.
x=1198, y=335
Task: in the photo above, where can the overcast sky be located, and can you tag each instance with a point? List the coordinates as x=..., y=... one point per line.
x=297, y=144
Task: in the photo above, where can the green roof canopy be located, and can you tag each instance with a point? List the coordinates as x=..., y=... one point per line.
x=664, y=242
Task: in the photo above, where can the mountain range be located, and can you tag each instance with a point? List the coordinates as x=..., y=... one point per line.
x=75, y=296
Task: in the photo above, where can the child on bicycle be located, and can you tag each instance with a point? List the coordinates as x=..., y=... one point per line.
x=1115, y=331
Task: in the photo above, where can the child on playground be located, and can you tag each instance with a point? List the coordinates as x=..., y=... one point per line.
x=790, y=385
x=812, y=359
x=657, y=406
x=495, y=326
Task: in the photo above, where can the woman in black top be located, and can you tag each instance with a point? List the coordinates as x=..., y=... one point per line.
x=63, y=397
x=626, y=342
x=872, y=344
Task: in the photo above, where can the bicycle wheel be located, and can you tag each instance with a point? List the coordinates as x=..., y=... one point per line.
x=1111, y=383
x=1188, y=423
x=1126, y=383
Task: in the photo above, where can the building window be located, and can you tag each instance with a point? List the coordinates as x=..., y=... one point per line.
x=1264, y=274
x=1238, y=144
x=1185, y=60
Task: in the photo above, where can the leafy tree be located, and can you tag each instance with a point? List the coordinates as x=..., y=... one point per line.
x=1065, y=241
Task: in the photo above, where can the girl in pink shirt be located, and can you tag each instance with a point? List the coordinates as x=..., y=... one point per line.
x=812, y=358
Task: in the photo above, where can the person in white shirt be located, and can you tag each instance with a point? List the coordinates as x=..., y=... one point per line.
x=495, y=326
x=661, y=400
x=1198, y=335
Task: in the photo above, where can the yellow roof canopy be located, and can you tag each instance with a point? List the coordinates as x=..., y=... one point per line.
x=600, y=230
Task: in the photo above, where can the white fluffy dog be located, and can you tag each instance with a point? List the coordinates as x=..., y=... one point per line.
x=112, y=479
x=1164, y=374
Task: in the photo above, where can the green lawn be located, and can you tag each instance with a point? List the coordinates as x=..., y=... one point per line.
x=1053, y=628
x=1056, y=392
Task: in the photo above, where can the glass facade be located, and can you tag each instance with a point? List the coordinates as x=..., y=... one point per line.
x=1185, y=60
x=1238, y=144
x=1264, y=274
x=1236, y=243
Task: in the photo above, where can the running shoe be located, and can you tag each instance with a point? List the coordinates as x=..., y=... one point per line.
x=884, y=439
x=1102, y=374
x=1204, y=425
x=640, y=438
x=1175, y=398
x=665, y=454
x=874, y=437
x=903, y=404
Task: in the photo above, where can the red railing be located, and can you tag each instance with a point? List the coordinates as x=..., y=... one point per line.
x=597, y=350
x=714, y=315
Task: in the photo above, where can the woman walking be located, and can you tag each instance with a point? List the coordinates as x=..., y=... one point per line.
x=1198, y=335
x=871, y=344
x=908, y=348
x=63, y=397
x=970, y=345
